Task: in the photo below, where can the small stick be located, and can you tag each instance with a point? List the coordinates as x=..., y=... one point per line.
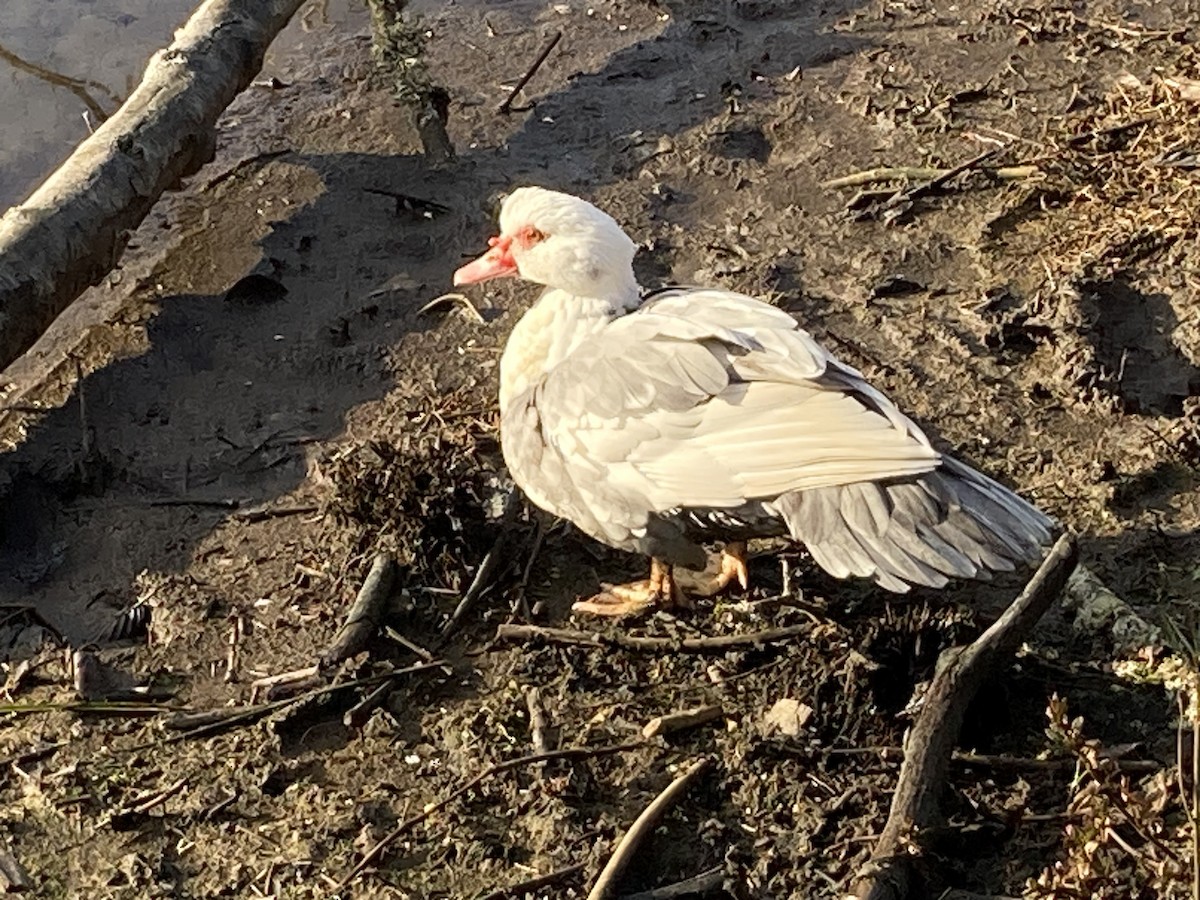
x=489, y=567
x=263, y=513
x=1110, y=130
x=695, y=886
x=231, y=656
x=407, y=644
x=408, y=203
x=273, y=685
x=358, y=715
x=507, y=106
x=678, y=721
x=366, y=612
x=147, y=801
x=97, y=707
x=202, y=724
x=538, y=731
x=1000, y=761
x=893, y=173
x=719, y=644
x=606, y=884
x=889, y=874
x=928, y=187
x=408, y=824
x=523, y=888
x=13, y=877
x=454, y=297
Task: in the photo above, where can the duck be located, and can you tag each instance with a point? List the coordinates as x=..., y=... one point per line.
x=664, y=423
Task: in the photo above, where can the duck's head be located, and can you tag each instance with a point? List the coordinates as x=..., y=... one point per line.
x=560, y=241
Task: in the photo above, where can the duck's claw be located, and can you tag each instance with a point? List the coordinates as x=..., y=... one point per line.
x=635, y=598
x=730, y=567
x=619, y=600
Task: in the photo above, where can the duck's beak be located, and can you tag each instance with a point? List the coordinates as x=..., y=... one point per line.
x=496, y=263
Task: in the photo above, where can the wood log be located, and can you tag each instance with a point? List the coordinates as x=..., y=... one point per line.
x=73, y=229
x=891, y=873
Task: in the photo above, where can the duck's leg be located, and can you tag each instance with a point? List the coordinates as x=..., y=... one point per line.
x=636, y=597
x=730, y=567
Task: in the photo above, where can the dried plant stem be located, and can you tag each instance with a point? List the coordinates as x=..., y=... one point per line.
x=922, y=173
x=606, y=883
x=718, y=644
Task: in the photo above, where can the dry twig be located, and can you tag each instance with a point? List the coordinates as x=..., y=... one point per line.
x=454, y=297
x=275, y=685
x=889, y=874
x=718, y=644
x=923, y=173
x=202, y=724
x=125, y=816
x=539, y=732
x=678, y=721
x=357, y=715
x=507, y=105
x=606, y=884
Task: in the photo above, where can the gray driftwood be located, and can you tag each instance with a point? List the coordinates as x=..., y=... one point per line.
x=73, y=229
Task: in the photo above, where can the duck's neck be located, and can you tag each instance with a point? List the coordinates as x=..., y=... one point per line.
x=552, y=329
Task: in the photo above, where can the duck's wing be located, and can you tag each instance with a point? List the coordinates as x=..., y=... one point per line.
x=708, y=399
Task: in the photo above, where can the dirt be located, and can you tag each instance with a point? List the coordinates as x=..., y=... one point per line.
x=232, y=460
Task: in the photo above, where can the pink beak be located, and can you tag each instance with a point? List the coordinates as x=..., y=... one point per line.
x=498, y=262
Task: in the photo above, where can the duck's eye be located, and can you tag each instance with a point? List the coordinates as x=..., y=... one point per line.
x=528, y=236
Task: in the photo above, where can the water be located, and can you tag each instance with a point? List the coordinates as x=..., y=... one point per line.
x=97, y=51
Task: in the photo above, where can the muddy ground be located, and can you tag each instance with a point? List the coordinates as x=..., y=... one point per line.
x=233, y=460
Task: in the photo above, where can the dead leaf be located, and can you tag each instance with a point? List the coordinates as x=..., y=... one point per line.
x=788, y=716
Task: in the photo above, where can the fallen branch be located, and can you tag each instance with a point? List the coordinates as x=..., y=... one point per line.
x=359, y=714
x=890, y=206
x=408, y=824
x=407, y=644
x=114, y=708
x=890, y=873
x=719, y=644
x=507, y=105
x=366, y=613
x=70, y=233
x=262, y=513
x=629, y=845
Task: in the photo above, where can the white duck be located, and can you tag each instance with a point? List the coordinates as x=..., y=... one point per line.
x=706, y=415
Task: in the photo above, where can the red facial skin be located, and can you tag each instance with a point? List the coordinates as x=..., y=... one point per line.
x=498, y=262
